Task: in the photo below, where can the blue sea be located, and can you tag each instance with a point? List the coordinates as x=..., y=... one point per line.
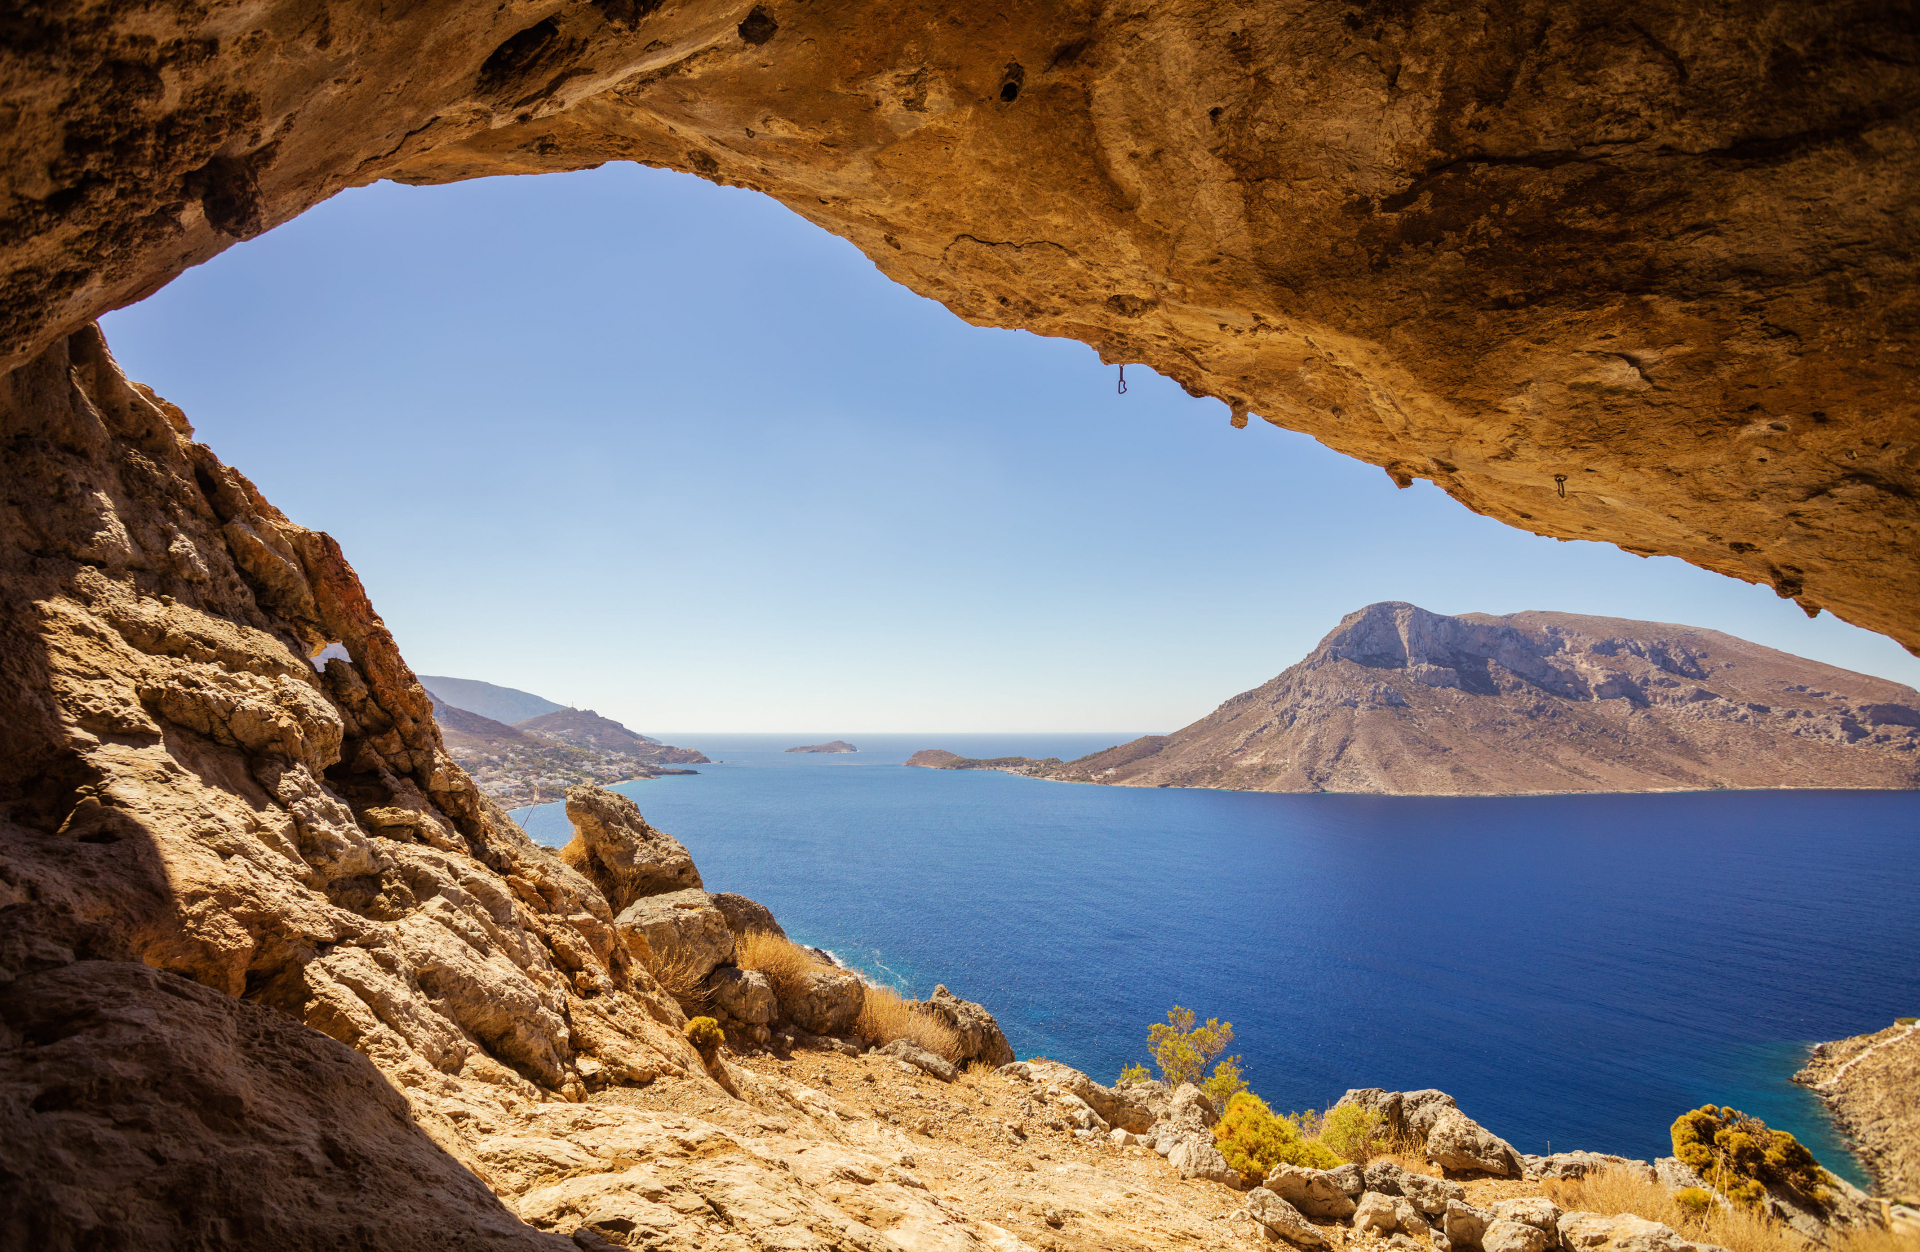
x=1575, y=970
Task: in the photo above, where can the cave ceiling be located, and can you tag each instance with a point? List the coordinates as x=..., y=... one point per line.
x=1641, y=273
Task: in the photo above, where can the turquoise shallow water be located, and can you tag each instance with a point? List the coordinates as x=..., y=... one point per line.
x=1573, y=969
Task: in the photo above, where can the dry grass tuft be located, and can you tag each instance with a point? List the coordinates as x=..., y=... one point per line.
x=979, y=1069
x=1614, y=1191
x=785, y=963
x=679, y=977
x=884, y=1017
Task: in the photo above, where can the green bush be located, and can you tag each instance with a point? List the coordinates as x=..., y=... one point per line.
x=1254, y=1141
x=1905, y=1021
x=1354, y=1132
x=705, y=1034
x=1694, y=1200
x=1181, y=1050
x=1225, y=1083
x=1741, y=1157
x=1134, y=1073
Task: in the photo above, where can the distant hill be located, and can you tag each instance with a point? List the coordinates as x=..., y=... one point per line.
x=461, y=729
x=584, y=728
x=502, y=704
x=1401, y=701
x=838, y=745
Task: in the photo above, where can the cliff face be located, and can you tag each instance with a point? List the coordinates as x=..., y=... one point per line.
x=1400, y=701
x=199, y=828
x=1637, y=273
x=1871, y=1083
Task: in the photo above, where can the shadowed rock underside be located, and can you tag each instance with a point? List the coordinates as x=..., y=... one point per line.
x=1640, y=273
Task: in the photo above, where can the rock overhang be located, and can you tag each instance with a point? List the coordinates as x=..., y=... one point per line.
x=1639, y=277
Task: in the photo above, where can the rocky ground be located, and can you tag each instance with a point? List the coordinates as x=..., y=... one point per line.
x=1872, y=1085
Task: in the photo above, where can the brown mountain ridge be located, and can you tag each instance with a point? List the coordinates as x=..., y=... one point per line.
x=1400, y=701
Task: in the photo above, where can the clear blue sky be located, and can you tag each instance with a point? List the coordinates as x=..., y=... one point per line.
x=642, y=444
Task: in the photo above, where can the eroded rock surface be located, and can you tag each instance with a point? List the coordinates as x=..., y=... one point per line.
x=620, y=851
x=1641, y=275
x=1872, y=1085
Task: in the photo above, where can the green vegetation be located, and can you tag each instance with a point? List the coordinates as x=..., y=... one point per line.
x=1695, y=1200
x=1905, y=1021
x=1134, y=1073
x=1182, y=1050
x=1740, y=1157
x=705, y=1034
x=1254, y=1141
x=1354, y=1132
x=1225, y=1082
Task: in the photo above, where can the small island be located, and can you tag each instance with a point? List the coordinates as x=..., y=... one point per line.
x=939, y=758
x=838, y=745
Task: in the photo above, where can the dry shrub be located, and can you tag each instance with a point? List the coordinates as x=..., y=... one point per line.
x=979, y=1069
x=679, y=976
x=884, y=1017
x=785, y=963
x=1613, y=1191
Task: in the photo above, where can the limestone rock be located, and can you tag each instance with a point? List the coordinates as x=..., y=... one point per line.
x=1375, y=1213
x=1315, y=1192
x=921, y=1059
x=1580, y=1164
x=1127, y=1107
x=746, y=995
x=1430, y=1195
x=1384, y=1177
x=1196, y=1156
x=1503, y=1235
x=1464, y=1224
x=1536, y=1211
x=744, y=916
x=620, y=852
x=682, y=929
x=827, y=1001
x=1585, y=1232
x=1457, y=1142
x=980, y=1036
x=149, y=1108
x=1282, y=1221
x=1351, y=1180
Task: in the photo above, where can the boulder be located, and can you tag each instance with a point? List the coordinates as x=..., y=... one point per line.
x=826, y=1002
x=1350, y=1179
x=619, y=852
x=1533, y=1210
x=681, y=930
x=1580, y=1232
x=1430, y=1195
x=1281, y=1221
x=1502, y=1235
x=1315, y=1192
x=1409, y=1219
x=1579, y=1164
x=1189, y=1102
x=1464, y=1224
x=1384, y=1177
x=1457, y=1142
x=745, y=917
x=1117, y=1106
x=921, y=1059
x=1195, y=1156
x=1421, y=1110
x=746, y=995
x=1376, y=1213
x=980, y=1036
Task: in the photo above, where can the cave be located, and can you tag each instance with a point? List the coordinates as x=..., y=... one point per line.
x=1633, y=273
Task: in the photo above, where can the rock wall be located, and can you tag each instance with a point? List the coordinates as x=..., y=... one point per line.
x=1640, y=273
x=197, y=826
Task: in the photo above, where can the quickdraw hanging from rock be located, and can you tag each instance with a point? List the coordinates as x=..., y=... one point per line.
x=1560, y=481
x=1123, y=380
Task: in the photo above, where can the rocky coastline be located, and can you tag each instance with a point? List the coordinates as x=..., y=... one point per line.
x=1871, y=1086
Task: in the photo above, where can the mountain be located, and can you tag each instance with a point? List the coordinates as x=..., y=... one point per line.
x=463, y=730
x=584, y=728
x=1400, y=701
x=501, y=704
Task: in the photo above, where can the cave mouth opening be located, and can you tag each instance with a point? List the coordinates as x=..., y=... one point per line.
x=499, y=390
